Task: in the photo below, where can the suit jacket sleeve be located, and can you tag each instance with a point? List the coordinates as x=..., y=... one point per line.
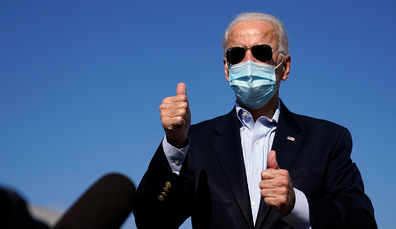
x=173, y=208
x=344, y=203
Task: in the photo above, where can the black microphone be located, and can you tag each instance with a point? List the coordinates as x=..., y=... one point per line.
x=105, y=205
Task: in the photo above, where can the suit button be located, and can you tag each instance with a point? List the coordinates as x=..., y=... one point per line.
x=161, y=198
x=167, y=184
x=163, y=193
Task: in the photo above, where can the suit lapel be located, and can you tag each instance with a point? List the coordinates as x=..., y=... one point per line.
x=287, y=141
x=288, y=138
x=226, y=142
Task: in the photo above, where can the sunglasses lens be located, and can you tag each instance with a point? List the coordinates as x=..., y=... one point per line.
x=235, y=55
x=262, y=53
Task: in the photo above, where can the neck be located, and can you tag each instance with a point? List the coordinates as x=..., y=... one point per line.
x=268, y=110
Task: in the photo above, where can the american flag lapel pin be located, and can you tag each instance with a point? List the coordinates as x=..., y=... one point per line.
x=290, y=138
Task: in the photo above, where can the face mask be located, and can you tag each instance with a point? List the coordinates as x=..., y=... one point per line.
x=254, y=84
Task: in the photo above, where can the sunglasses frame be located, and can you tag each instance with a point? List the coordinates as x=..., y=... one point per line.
x=247, y=48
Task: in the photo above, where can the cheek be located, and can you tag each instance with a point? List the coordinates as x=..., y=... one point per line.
x=278, y=75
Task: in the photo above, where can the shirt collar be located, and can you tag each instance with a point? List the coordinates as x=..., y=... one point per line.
x=246, y=118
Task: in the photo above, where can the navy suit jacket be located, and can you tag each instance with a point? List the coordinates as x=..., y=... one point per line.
x=212, y=186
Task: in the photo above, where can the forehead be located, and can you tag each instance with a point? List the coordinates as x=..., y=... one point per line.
x=247, y=33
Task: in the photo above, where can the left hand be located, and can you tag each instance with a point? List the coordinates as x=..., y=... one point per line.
x=276, y=186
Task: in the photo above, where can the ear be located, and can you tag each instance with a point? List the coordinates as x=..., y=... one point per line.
x=226, y=69
x=286, y=67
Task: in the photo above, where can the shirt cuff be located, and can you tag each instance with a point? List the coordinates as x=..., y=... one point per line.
x=174, y=155
x=299, y=217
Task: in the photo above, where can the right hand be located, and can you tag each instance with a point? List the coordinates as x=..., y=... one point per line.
x=176, y=117
x=277, y=187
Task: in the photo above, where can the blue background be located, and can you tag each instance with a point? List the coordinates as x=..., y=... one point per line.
x=81, y=82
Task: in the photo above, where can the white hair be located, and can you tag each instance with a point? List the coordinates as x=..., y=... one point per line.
x=283, y=42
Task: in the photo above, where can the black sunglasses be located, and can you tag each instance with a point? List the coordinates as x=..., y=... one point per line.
x=262, y=53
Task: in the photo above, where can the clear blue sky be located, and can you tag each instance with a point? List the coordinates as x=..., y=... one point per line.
x=81, y=82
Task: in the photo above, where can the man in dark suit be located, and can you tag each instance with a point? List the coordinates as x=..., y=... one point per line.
x=259, y=166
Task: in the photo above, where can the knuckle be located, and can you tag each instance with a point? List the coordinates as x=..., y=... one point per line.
x=182, y=97
x=182, y=112
x=178, y=120
x=283, y=191
x=282, y=199
x=167, y=100
x=269, y=201
x=164, y=114
x=184, y=104
x=168, y=127
x=264, y=174
x=284, y=182
x=284, y=172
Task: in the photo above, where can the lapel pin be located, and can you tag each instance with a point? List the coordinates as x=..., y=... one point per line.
x=290, y=138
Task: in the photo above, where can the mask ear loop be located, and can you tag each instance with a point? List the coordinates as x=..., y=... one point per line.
x=283, y=58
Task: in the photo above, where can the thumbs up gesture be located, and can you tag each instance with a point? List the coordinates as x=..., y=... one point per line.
x=276, y=186
x=176, y=117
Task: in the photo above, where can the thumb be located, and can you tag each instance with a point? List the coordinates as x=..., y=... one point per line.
x=271, y=160
x=181, y=89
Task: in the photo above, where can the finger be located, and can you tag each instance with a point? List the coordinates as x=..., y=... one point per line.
x=171, y=123
x=271, y=160
x=181, y=89
x=278, y=186
x=267, y=174
x=173, y=104
x=271, y=201
x=173, y=113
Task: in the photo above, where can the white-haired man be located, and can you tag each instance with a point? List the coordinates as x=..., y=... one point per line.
x=259, y=166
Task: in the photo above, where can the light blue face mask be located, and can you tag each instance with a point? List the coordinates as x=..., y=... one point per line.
x=253, y=83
